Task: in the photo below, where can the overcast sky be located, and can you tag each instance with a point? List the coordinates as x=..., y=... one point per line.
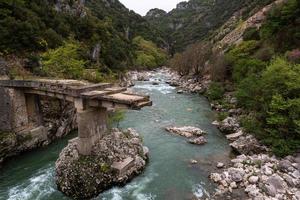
x=143, y=6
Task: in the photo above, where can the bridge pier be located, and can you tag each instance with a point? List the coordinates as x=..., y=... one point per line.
x=33, y=109
x=92, y=126
x=18, y=110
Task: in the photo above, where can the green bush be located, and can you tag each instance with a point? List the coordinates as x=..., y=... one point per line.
x=243, y=50
x=251, y=124
x=148, y=55
x=64, y=61
x=215, y=91
x=244, y=68
x=222, y=115
x=251, y=33
x=116, y=117
x=144, y=60
x=275, y=97
x=281, y=28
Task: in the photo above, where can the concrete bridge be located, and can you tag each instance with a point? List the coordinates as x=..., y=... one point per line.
x=20, y=105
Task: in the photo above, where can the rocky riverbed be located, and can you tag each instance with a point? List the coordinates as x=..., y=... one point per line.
x=253, y=170
x=115, y=159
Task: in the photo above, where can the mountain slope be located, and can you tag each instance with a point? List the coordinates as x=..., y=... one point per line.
x=197, y=19
x=104, y=28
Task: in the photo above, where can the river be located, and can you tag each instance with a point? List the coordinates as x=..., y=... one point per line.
x=169, y=174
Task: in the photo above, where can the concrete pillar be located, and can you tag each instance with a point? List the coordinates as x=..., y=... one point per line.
x=13, y=110
x=5, y=110
x=92, y=125
x=33, y=109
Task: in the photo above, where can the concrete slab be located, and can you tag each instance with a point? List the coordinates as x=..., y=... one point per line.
x=123, y=166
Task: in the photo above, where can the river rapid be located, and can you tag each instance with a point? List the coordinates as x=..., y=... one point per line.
x=169, y=174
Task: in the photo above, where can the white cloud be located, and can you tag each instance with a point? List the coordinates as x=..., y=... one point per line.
x=143, y=6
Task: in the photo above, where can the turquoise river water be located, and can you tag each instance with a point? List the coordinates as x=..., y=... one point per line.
x=169, y=174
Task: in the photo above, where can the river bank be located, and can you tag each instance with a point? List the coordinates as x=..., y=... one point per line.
x=253, y=171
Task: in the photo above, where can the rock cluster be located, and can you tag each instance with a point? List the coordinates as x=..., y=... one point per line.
x=188, y=84
x=130, y=77
x=241, y=142
x=115, y=159
x=261, y=177
x=194, y=134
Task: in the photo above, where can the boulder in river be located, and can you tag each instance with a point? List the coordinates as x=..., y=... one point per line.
x=155, y=83
x=143, y=76
x=186, y=131
x=115, y=159
x=229, y=125
x=198, y=140
x=248, y=145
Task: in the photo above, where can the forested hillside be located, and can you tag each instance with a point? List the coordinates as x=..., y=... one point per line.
x=97, y=35
x=197, y=19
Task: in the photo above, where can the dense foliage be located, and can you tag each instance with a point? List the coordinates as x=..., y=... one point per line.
x=148, y=55
x=32, y=27
x=266, y=74
x=64, y=62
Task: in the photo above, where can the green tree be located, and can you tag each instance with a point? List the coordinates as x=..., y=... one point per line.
x=64, y=61
x=148, y=55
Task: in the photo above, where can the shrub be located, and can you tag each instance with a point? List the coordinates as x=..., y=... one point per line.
x=215, y=91
x=275, y=97
x=116, y=117
x=243, y=50
x=148, y=55
x=251, y=124
x=244, y=68
x=64, y=62
x=264, y=54
x=248, y=93
x=218, y=68
x=251, y=33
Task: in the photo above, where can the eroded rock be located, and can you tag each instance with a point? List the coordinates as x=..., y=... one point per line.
x=198, y=141
x=115, y=159
x=186, y=131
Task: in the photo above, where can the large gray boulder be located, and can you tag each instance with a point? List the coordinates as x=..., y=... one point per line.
x=247, y=145
x=236, y=174
x=274, y=185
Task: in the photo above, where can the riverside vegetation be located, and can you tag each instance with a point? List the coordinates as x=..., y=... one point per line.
x=263, y=71
x=246, y=60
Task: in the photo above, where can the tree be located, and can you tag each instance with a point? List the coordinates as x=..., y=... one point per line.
x=64, y=61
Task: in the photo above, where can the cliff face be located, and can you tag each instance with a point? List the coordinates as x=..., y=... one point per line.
x=76, y=8
x=232, y=31
x=198, y=19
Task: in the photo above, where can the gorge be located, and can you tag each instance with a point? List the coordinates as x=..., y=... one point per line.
x=223, y=79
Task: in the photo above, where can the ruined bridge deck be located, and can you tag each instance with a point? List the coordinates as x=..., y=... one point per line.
x=94, y=95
